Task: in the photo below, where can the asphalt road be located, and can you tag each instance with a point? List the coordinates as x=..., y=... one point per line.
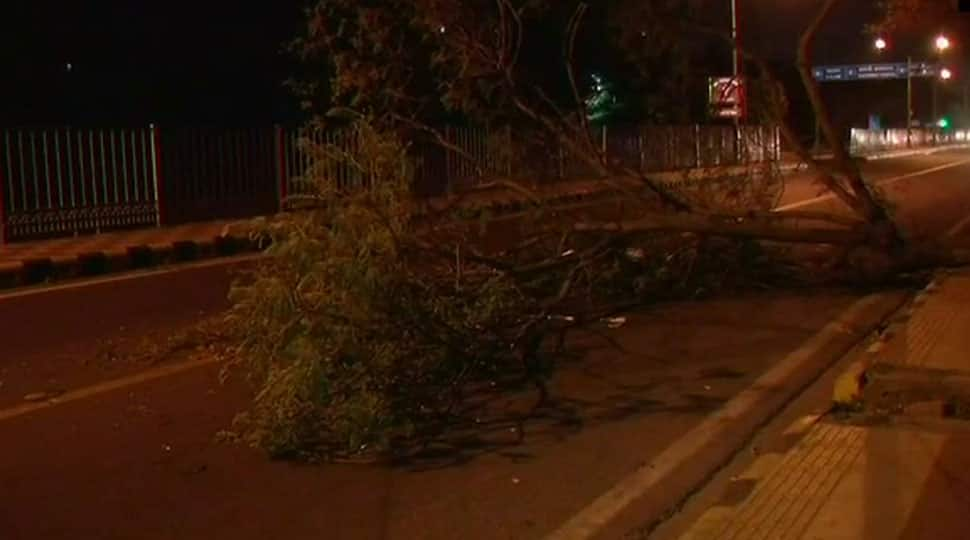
x=71, y=335
x=139, y=461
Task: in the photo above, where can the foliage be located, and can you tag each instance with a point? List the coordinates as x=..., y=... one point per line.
x=354, y=336
x=433, y=59
x=905, y=15
x=372, y=320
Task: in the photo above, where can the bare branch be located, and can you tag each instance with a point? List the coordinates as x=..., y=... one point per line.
x=716, y=226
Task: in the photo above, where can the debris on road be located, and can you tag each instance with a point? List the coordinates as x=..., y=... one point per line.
x=615, y=322
x=635, y=254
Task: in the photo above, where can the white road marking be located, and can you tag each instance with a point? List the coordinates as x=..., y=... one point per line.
x=829, y=197
x=958, y=227
x=105, y=387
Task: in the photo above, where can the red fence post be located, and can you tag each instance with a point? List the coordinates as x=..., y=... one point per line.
x=3, y=201
x=160, y=210
x=283, y=190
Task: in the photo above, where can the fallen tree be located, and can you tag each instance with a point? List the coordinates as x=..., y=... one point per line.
x=376, y=317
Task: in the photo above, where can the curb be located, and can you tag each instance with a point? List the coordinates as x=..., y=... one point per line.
x=133, y=257
x=658, y=488
x=913, y=152
x=849, y=388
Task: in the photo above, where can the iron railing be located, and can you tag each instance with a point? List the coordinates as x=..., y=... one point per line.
x=63, y=181
x=864, y=141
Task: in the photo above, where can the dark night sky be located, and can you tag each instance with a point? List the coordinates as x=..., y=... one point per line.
x=220, y=61
x=135, y=61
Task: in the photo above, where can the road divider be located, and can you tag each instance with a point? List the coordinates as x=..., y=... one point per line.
x=42, y=270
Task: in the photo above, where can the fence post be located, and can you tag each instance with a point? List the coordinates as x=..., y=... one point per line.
x=697, y=146
x=160, y=210
x=778, y=144
x=640, y=148
x=560, y=160
x=447, y=152
x=3, y=200
x=508, y=152
x=283, y=181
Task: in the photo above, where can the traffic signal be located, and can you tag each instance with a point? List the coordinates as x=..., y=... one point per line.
x=943, y=123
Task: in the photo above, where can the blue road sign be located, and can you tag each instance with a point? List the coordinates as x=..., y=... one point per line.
x=862, y=72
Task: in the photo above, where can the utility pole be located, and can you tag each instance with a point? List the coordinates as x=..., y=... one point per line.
x=909, y=101
x=736, y=77
x=966, y=103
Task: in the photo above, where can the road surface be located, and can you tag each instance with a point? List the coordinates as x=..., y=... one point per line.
x=139, y=459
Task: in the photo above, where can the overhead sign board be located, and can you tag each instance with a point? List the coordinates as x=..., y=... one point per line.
x=862, y=72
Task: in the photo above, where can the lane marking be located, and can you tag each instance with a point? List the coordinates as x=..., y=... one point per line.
x=590, y=520
x=131, y=275
x=105, y=387
x=829, y=197
x=958, y=227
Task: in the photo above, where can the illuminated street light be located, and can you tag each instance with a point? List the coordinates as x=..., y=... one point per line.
x=881, y=44
x=946, y=74
x=942, y=43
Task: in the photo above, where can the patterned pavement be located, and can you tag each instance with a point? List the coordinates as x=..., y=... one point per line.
x=892, y=476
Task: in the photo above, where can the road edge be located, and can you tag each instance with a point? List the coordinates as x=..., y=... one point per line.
x=660, y=487
x=35, y=271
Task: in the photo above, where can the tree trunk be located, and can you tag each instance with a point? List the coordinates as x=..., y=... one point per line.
x=862, y=201
x=765, y=229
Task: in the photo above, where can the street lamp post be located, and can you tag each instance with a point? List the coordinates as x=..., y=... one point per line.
x=735, y=76
x=941, y=44
x=881, y=46
x=909, y=101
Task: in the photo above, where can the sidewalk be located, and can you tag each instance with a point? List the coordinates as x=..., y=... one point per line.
x=897, y=467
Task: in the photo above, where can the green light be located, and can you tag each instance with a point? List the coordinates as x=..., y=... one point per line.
x=943, y=122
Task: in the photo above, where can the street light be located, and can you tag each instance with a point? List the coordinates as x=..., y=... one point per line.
x=881, y=44
x=942, y=43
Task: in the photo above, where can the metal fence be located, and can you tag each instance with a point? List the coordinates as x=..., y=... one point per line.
x=863, y=141
x=474, y=155
x=62, y=181
x=211, y=173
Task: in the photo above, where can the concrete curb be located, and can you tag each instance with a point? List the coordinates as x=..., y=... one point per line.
x=849, y=388
x=657, y=488
x=913, y=152
x=122, y=259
